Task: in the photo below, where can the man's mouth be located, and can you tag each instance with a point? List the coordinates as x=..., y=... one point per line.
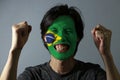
x=61, y=47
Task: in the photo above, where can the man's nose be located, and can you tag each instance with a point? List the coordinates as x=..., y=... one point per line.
x=63, y=35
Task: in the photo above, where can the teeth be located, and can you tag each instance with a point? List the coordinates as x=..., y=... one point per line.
x=61, y=47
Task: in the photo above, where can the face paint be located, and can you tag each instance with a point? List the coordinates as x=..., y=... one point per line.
x=56, y=38
x=62, y=38
x=49, y=38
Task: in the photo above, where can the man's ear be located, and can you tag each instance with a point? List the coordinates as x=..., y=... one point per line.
x=44, y=38
x=45, y=44
x=78, y=40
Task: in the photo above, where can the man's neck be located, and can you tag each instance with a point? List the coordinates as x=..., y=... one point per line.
x=62, y=67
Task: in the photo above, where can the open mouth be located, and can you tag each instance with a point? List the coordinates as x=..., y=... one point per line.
x=61, y=47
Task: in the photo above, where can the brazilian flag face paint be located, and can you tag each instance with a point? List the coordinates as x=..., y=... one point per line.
x=61, y=38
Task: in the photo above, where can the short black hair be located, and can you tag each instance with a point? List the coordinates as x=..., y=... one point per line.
x=61, y=10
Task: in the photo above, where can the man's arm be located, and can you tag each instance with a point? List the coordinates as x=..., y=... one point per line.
x=20, y=34
x=102, y=39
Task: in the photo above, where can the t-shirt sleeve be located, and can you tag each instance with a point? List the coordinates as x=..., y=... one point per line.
x=31, y=73
x=26, y=75
x=100, y=74
x=94, y=72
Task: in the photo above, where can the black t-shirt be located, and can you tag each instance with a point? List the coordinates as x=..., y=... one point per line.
x=81, y=71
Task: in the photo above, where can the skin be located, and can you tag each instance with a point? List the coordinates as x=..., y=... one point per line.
x=102, y=41
x=20, y=34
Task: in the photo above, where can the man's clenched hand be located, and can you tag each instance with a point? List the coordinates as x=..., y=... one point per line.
x=20, y=34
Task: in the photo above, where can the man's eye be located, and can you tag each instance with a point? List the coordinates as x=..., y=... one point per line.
x=54, y=30
x=68, y=31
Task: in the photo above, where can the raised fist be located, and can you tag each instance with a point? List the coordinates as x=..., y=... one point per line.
x=20, y=34
x=102, y=38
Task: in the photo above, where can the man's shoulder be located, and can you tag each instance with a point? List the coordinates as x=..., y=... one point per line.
x=90, y=70
x=87, y=65
x=34, y=72
x=37, y=67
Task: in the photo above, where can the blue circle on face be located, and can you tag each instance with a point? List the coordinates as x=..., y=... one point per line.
x=50, y=38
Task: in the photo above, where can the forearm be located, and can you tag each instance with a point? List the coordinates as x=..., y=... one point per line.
x=10, y=70
x=111, y=70
x=20, y=34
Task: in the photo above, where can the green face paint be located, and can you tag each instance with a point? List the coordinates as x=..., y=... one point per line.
x=65, y=38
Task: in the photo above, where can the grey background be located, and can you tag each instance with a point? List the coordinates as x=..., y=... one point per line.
x=106, y=12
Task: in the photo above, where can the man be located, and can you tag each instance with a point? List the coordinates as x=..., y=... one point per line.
x=62, y=30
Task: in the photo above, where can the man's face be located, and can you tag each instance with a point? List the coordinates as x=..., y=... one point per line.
x=61, y=38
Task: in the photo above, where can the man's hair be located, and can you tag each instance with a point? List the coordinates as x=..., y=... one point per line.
x=61, y=10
